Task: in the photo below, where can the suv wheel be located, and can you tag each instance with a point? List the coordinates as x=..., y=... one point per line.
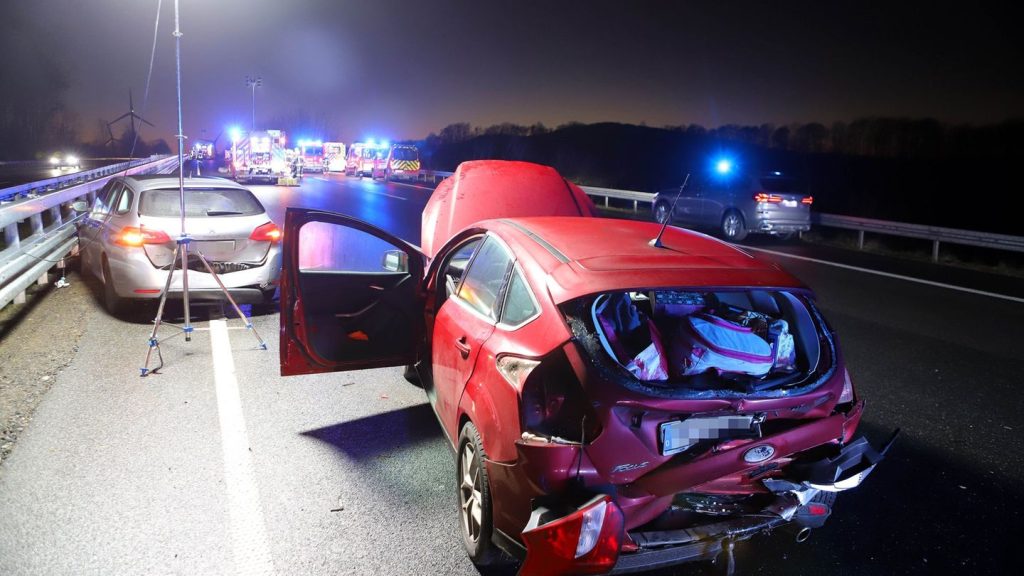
x=475, y=498
x=733, y=227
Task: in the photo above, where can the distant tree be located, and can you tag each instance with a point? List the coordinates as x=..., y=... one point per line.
x=454, y=133
x=780, y=138
x=810, y=138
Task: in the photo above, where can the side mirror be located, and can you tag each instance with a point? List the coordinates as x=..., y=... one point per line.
x=80, y=206
x=396, y=261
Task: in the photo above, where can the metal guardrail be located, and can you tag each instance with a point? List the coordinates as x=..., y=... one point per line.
x=58, y=182
x=38, y=224
x=936, y=234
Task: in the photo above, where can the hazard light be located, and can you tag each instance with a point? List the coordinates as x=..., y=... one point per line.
x=135, y=237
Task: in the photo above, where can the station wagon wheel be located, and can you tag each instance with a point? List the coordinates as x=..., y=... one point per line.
x=733, y=227
x=475, y=498
x=661, y=212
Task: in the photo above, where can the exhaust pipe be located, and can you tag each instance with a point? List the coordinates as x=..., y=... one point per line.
x=803, y=534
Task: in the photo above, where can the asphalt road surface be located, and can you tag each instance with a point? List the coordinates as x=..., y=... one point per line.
x=217, y=465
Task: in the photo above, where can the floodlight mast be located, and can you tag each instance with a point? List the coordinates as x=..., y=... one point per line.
x=668, y=217
x=183, y=239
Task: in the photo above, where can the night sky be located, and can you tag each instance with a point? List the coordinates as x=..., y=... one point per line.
x=395, y=69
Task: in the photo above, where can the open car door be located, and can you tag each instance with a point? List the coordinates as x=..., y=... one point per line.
x=350, y=295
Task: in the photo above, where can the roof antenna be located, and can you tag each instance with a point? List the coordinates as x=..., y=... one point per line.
x=668, y=217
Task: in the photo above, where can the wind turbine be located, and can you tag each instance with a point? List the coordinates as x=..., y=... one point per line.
x=131, y=115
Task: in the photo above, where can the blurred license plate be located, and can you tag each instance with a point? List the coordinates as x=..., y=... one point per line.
x=789, y=203
x=679, y=435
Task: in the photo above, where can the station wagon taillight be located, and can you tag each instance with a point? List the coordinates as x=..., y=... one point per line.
x=135, y=237
x=765, y=197
x=268, y=232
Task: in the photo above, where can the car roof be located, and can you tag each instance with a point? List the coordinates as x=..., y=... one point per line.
x=163, y=181
x=583, y=256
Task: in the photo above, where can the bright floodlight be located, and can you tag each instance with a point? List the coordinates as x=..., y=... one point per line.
x=72, y=160
x=54, y=160
x=235, y=133
x=723, y=166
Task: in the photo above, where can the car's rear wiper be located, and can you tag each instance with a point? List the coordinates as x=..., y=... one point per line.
x=222, y=213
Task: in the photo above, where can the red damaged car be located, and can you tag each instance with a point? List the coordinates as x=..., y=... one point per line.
x=615, y=403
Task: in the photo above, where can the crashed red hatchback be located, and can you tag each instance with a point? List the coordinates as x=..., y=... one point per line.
x=615, y=404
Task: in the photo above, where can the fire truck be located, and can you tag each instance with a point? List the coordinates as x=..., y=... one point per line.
x=366, y=159
x=312, y=155
x=334, y=157
x=259, y=156
x=402, y=163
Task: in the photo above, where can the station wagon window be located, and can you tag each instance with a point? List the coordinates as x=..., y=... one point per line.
x=485, y=278
x=200, y=202
x=519, y=304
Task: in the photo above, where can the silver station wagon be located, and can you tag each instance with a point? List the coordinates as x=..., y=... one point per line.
x=130, y=233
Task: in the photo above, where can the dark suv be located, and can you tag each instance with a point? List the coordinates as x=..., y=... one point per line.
x=740, y=204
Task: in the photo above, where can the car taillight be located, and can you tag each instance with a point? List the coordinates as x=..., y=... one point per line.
x=268, y=232
x=135, y=237
x=847, y=393
x=807, y=200
x=586, y=541
x=765, y=197
x=552, y=402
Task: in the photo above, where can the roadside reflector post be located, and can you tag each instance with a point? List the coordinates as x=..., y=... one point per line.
x=860, y=239
x=935, y=251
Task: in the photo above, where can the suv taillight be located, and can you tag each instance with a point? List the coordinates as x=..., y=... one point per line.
x=765, y=197
x=807, y=200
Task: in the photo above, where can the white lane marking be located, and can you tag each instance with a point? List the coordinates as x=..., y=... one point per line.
x=888, y=274
x=411, y=185
x=388, y=195
x=248, y=532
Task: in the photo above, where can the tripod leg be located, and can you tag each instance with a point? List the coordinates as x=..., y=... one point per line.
x=241, y=315
x=153, y=342
x=184, y=286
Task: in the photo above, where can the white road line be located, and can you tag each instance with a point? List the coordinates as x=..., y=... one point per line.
x=888, y=274
x=388, y=195
x=248, y=532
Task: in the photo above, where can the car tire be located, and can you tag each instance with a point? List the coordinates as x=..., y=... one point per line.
x=474, y=493
x=662, y=212
x=734, y=229
x=111, y=301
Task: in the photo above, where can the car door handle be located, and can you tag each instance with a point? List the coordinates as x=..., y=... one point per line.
x=463, y=347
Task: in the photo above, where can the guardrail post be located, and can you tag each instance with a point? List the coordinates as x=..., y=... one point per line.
x=635, y=210
x=605, y=201
x=935, y=251
x=860, y=239
x=13, y=242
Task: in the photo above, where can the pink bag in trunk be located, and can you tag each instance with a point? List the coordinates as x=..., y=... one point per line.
x=704, y=342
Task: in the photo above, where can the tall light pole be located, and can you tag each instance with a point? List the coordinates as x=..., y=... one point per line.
x=252, y=82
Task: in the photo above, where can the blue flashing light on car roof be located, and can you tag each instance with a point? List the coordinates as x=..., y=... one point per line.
x=371, y=142
x=384, y=144
x=723, y=166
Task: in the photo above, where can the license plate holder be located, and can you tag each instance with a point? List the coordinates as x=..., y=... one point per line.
x=679, y=435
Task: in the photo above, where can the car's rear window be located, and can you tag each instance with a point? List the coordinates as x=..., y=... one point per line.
x=783, y=185
x=200, y=203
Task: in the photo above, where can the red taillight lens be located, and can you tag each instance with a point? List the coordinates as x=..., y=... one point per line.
x=135, y=237
x=817, y=509
x=586, y=541
x=765, y=197
x=808, y=200
x=268, y=232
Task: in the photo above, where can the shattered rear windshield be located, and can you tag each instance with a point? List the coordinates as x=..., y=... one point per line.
x=200, y=203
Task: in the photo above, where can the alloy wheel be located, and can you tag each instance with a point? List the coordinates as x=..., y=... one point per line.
x=471, y=492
